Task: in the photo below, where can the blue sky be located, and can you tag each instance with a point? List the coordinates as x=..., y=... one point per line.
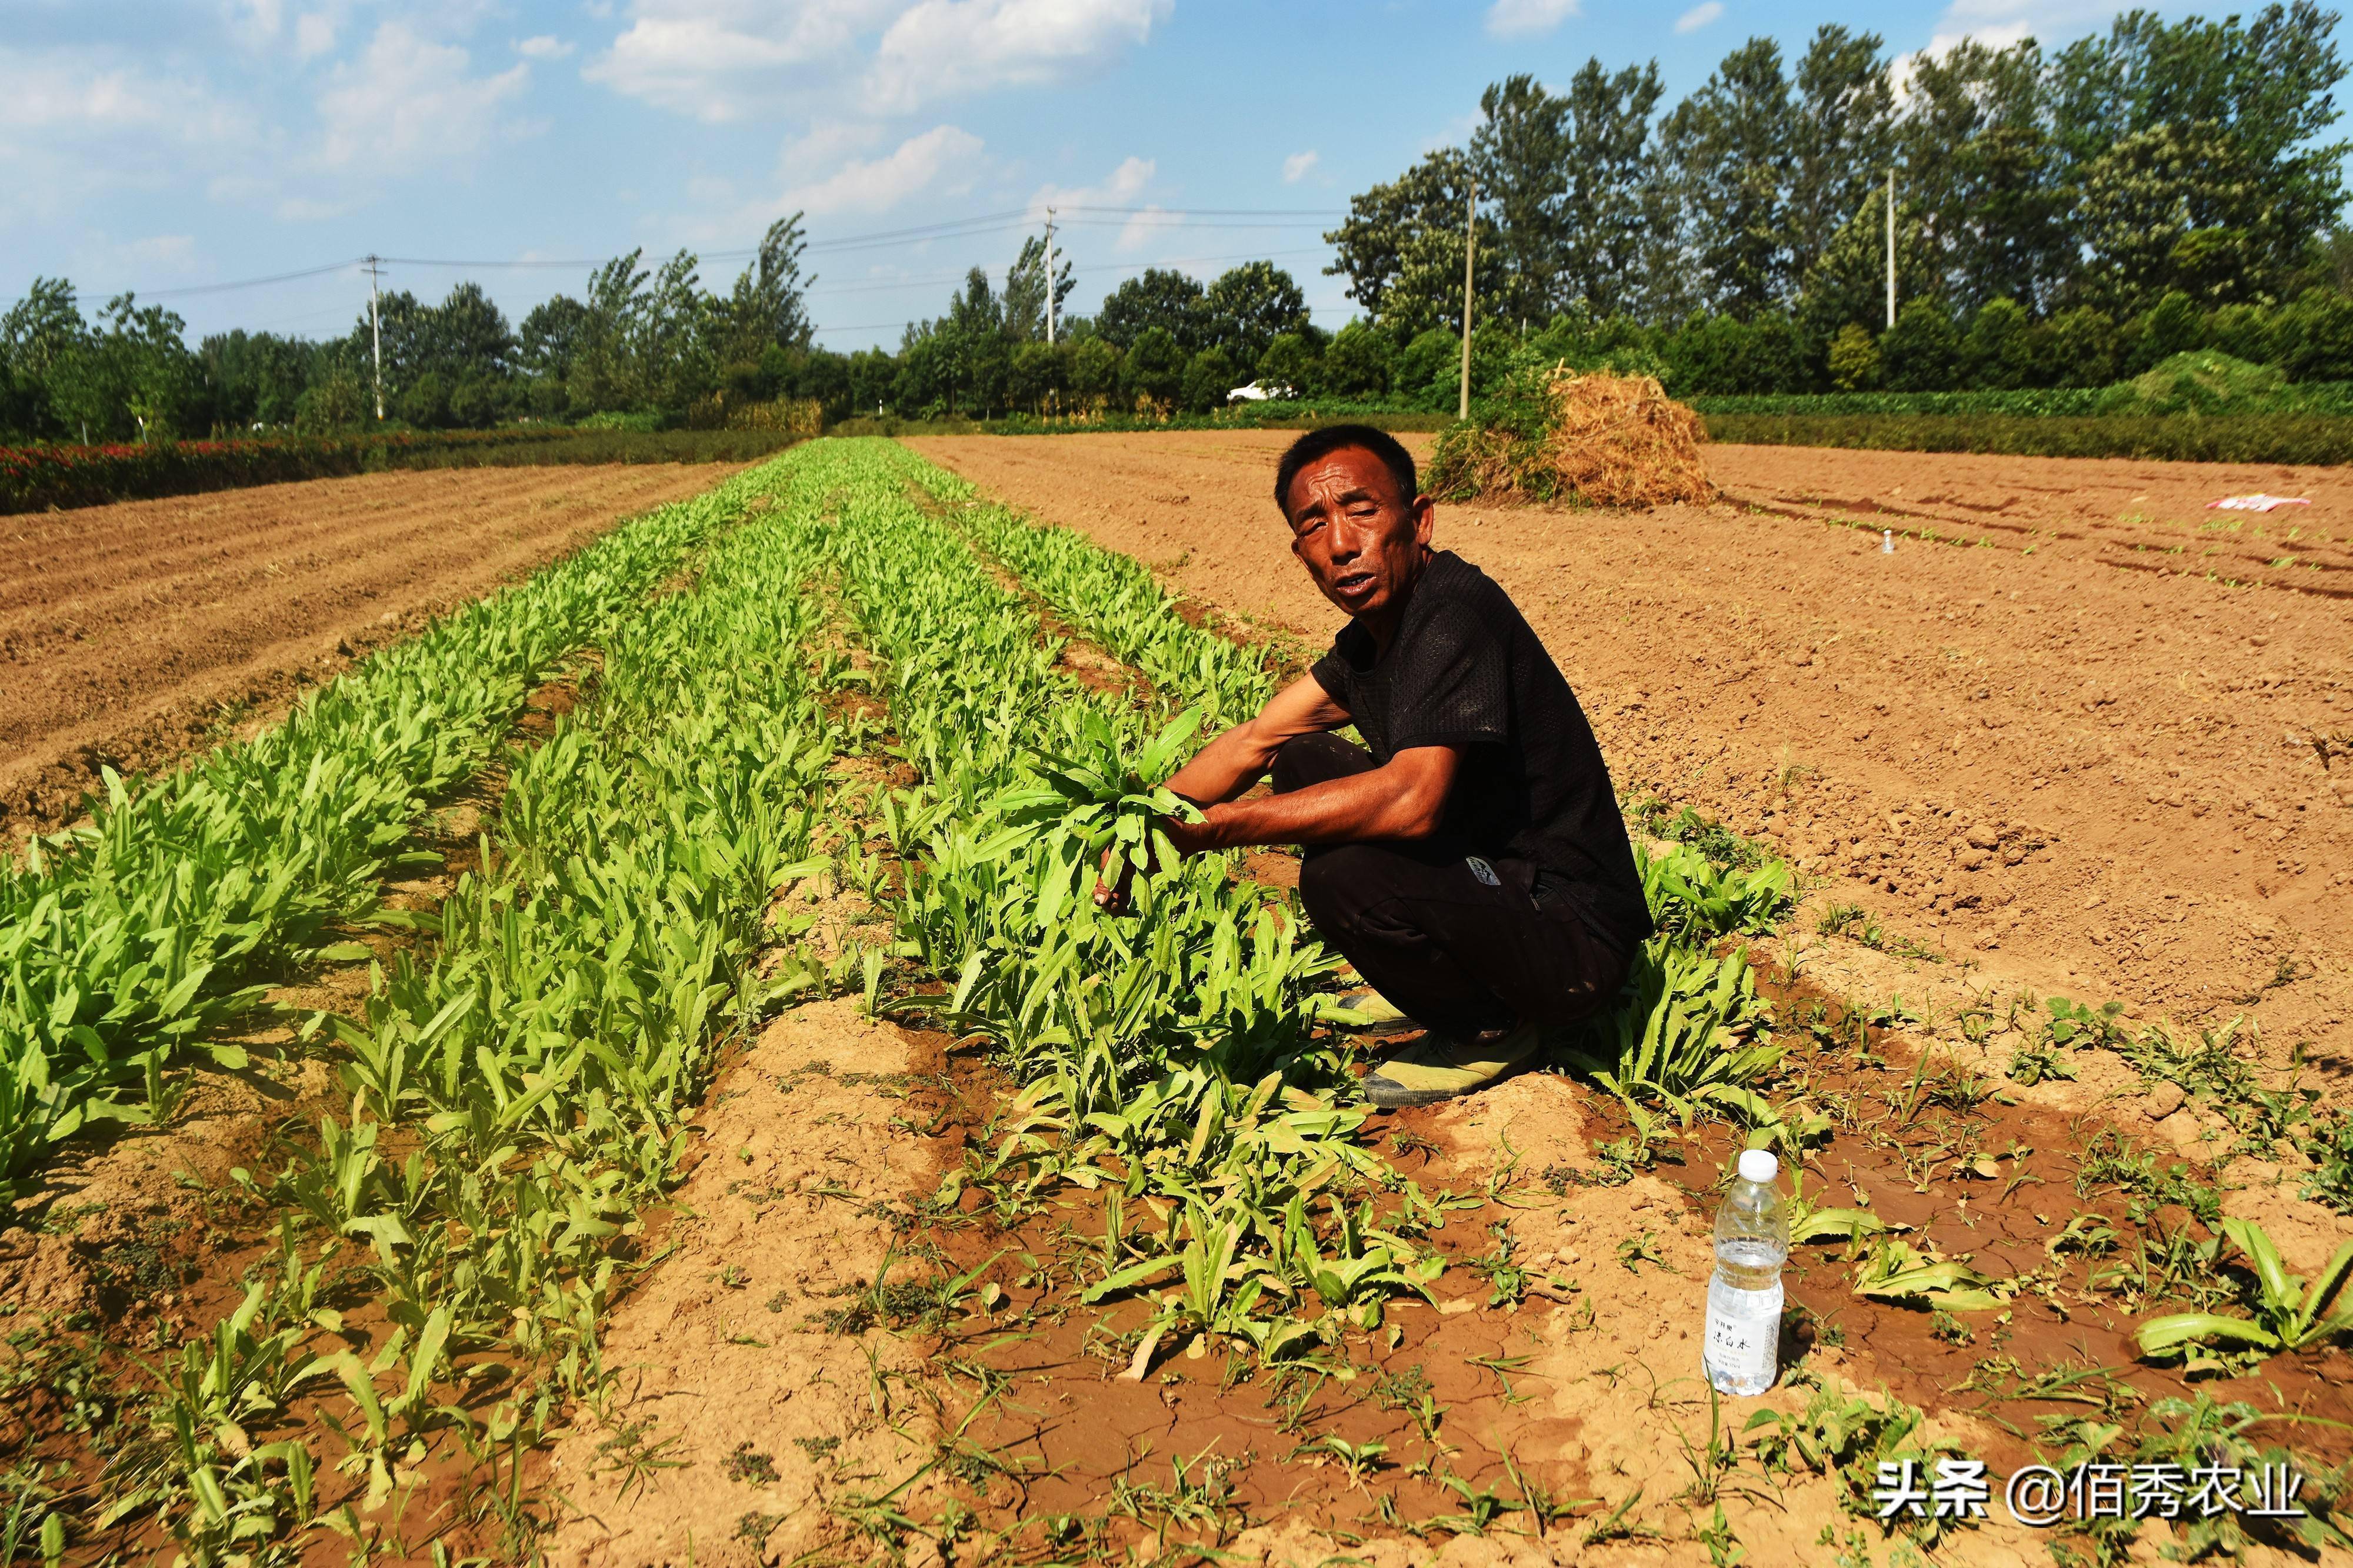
x=174, y=146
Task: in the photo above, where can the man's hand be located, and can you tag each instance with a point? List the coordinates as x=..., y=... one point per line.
x=1113, y=893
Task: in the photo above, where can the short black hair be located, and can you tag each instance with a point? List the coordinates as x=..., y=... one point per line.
x=1331, y=438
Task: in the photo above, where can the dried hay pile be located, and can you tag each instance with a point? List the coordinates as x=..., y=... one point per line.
x=1595, y=440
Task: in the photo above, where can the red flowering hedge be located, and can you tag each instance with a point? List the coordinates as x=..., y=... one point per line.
x=33, y=479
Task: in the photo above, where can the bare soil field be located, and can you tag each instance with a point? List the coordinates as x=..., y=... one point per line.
x=2048, y=748
x=132, y=634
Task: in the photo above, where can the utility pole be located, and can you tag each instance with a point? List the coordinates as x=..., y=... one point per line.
x=1470, y=243
x=1050, y=276
x=1891, y=246
x=375, y=330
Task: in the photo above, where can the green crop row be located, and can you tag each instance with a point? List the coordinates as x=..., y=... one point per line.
x=517, y=1099
x=2316, y=438
x=126, y=942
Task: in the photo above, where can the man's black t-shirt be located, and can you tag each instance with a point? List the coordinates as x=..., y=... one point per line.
x=1466, y=670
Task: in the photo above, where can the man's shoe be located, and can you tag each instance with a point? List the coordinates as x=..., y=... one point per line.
x=1379, y=1016
x=1438, y=1068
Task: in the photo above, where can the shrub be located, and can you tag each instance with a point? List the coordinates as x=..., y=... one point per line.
x=1094, y=369
x=2083, y=347
x=1290, y=363
x=1209, y=378
x=476, y=404
x=33, y=478
x=2315, y=336
x=425, y=405
x=1359, y=363
x=335, y=402
x=1854, y=360
x=2174, y=326
x=1920, y=351
x=1430, y=370
x=2204, y=382
x=1155, y=367
x=1999, y=352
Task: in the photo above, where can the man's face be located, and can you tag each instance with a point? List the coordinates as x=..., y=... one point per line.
x=1363, y=543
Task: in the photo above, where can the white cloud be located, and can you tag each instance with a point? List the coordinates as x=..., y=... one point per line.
x=958, y=47
x=172, y=250
x=406, y=101
x=943, y=160
x=314, y=35
x=723, y=59
x=1295, y=167
x=1698, y=15
x=545, y=46
x=257, y=21
x=78, y=93
x=1997, y=24
x=1118, y=189
x=1520, y=18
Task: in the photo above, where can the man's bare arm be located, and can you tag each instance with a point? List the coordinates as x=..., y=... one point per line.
x=1405, y=799
x=1229, y=765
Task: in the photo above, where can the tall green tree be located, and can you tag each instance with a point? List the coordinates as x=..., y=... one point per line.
x=1520, y=153
x=1401, y=248
x=1985, y=170
x=1725, y=156
x=1025, y=293
x=130, y=377
x=1250, y=306
x=38, y=331
x=2200, y=150
x=767, y=305
x=1160, y=298
x=1603, y=220
x=1841, y=136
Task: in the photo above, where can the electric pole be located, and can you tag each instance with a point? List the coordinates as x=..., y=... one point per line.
x=1050, y=276
x=375, y=330
x=1891, y=247
x=1470, y=243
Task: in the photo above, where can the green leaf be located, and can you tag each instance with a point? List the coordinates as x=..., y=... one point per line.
x=2160, y=1336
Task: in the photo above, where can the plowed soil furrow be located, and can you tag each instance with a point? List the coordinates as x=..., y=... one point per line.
x=48, y=557
x=2092, y=783
x=128, y=632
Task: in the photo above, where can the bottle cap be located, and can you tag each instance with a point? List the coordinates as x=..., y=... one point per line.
x=1759, y=1165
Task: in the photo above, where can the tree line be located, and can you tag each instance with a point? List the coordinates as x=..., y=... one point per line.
x=2057, y=214
x=640, y=339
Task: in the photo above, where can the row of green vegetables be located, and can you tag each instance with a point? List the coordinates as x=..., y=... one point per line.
x=126, y=942
x=449, y=1237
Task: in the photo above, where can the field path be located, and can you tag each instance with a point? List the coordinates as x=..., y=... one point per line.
x=2156, y=770
x=126, y=630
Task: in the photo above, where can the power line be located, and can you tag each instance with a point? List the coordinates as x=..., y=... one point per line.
x=965, y=228
x=936, y=280
x=252, y=282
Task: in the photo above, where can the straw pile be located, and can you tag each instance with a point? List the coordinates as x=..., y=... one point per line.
x=1595, y=440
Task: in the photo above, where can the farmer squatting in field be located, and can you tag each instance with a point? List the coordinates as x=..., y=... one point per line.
x=1470, y=860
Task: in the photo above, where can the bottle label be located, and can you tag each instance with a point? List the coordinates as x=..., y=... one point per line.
x=1744, y=1333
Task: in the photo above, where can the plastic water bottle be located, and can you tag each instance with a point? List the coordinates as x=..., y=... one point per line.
x=1741, y=1348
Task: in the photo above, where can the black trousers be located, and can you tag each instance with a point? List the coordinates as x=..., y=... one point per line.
x=1460, y=942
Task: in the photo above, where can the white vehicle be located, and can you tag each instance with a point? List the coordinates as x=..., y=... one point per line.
x=1253, y=392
